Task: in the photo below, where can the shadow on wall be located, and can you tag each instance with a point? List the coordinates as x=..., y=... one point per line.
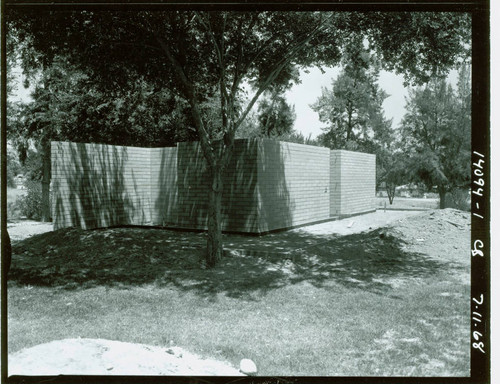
x=94, y=188
x=274, y=203
x=192, y=186
x=100, y=186
x=164, y=194
x=241, y=200
x=255, y=195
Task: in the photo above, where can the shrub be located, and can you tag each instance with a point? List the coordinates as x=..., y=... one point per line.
x=13, y=196
x=13, y=167
x=458, y=198
x=10, y=178
x=30, y=205
x=33, y=166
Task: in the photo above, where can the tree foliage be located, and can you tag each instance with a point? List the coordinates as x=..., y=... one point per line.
x=13, y=167
x=391, y=170
x=68, y=104
x=436, y=131
x=299, y=138
x=276, y=117
x=352, y=108
x=419, y=45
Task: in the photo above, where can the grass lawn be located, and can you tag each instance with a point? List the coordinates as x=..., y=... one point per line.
x=351, y=305
x=407, y=203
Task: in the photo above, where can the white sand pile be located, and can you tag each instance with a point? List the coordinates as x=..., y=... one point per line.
x=106, y=357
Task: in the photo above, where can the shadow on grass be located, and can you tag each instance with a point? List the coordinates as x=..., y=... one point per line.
x=126, y=257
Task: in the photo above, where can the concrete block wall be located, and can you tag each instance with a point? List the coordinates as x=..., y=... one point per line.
x=268, y=185
x=357, y=182
x=335, y=180
x=97, y=185
x=293, y=184
x=163, y=186
x=240, y=196
x=239, y=199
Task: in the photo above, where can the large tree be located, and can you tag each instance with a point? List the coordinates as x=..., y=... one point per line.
x=353, y=112
x=436, y=133
x=275, y=115
x=352, y=108
x=202, y=55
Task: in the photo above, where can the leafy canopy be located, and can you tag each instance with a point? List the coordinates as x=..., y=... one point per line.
x=436, y=131
x=216, y=51
x=352, y=108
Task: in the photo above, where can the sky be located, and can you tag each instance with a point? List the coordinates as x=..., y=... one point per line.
x=20, y=93
x=306, y=93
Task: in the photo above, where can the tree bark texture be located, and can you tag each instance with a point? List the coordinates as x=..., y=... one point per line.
x=442, y=197
x=46, y=181
x=214, y=219
x=391, y=192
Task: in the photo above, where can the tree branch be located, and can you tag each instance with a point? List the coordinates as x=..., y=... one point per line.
x=220, y=51
x=274, y=74
x=191, y=96
x=237, y=69
x=132, y=44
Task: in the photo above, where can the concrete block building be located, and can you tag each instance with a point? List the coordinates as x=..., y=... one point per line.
x=269, y=185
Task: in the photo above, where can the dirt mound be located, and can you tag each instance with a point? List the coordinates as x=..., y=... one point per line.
x=106, y=357
x=441, y=234
x=356, y=224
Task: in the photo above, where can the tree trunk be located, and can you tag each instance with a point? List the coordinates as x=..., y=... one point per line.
x=349, y=122
x=442, y=196
x=214, y=223
x=391, y=192
x=46, y=181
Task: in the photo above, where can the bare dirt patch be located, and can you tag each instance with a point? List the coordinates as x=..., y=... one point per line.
x=357, y=224
x=441, y=234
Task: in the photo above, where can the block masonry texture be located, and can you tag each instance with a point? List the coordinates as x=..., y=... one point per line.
x=268, y=185
x=96, y=185
x=163, y=185
x=357, y=182
x=293, y=184
x=239, y=209
x=335, y=183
